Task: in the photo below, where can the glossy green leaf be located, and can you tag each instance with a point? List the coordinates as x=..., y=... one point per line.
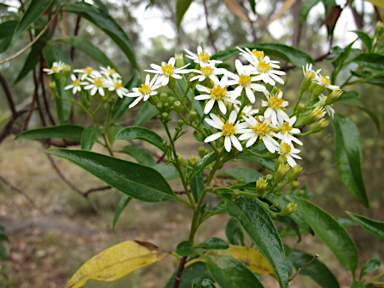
x=357, y=284
x=287, y=53
x=87, y=47
x=305, y=8
x=372, y=226
x=345, y=222
x=213, y=243
x=6, y=33
x=331, y=233
x=101, y=6
x=125, y=199
x=373, y=61
x=108, y=25
x=207, y=284
x=112, y=131
x=230, y=272
x=365, y=38
x=197, y=185
x=259, y=226
x=288, y=222
x=136, y=132
x=348, y=157
x=138, y=181
x=218, y=209
x=140, y=154
x=194, y=273
x=248, y=174
x=205, y=161
x=316, y=270
x=35, y=9
x=146, y=113
x=234, y=233
x=370, y=266
x=90, y=136
x=181, y=7
x=184, y=248
x=68, y=131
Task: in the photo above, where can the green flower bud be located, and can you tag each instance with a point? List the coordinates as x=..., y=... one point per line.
x=178, y=107
x=181, y=160
x=164, y=97
x=202, y=151
x=159, y=106
x=294, y=185
x=379, y=30
x=192, y=116
x=318, y=90
x=178, y=128
x=305, y=84
x=261, y=186
x=280, y=173
x=269, y=177
x=295, y=172
x=312, y=86
x=166, y=106
x=300, y=193
x=193, y=161
x=171, y=101
x=240, y=180
x=236, y=194
x=301, y=108
x=320, y=125
x=172, y=83
x=153, y=100
x=66, y=70
x=179, y=60
x=289, y=209
x=165, y=116
x=180, y=123
x=335, y=94
x=281, y=160
x=52, y=86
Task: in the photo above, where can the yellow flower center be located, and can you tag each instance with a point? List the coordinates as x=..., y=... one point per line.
x=76, y=82
x=285, y=148
x=99, y=82
x=228, y=129
x=55, y=69
x=318, y=113
x=88, y=70
x=259, y=54
x=262, y=129
x=325, y=81
x=204, y=57
x=244, y=80
x=310, y=74
x=117, y=84
x=206, y=70
x=218, y=92
x=263, y=67
x=285, y=127
x=275, y=102
x=167, y=69
x=145, y=89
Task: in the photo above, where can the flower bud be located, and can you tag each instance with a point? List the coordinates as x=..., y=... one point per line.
x=166, y=106
x=153, y=100
x=66, y=70
x=180, y=123
x=178, y=107
x=269, y=177
x=281, y=160
x=165, y=116
x=172, y=83
x=181, y=160
x=294, y=173
x=192, y=116
x=312, y=86
x=52, y=86
x=261, y=186
x=335, y=94
x=164, y=97
x=178, y=128
x=320, y=125
x=279, y=175
x=379, y=30
x=318, y=90
x=289, y=209
x=236, y=194
x=294, y=184
x=179, y=60
x=171, y=101
x=193, y=161
x=159, y=106
x=301, y=108
x=202, y=151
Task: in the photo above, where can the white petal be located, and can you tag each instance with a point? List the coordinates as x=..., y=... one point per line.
x=236, y=143
x=250, y=95
x=208, y=107
x=222, y=107
x=232, y=117
x=227, y=143
x=212, y=137
x=134, y=103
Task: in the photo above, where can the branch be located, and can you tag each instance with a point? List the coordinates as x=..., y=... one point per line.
x=8, y=95
x=96, y=189
x=305, y=266
x=77, y=28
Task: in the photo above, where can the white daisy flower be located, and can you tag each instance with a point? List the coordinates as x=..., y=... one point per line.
x=146, y=90
x=309, y=73
x=289, y=152
x=267, y=72
x=276, y=107
x=115, y=84
x=318, y=113
x=229, y=130
x=325, y=82
x=207, y=70
x=201, y=57
x=260, y=127
x=255, y=56
x=248, y=111
x=109, y=72
x=217, y=94
x=87, y=72
x=330, y=111
x=76, y=84
x=96, y=84
x=287, y=131
x=55, y=68
x=244, y=80
x=167, y=70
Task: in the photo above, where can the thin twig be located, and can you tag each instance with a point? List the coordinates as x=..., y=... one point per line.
x=77, y=28
x=42, y=84
x=8, y=95
x=305, y=266
x=179, y=272
x=36, y=82
x=209, y=27
x=17, y=54
x=86, y=193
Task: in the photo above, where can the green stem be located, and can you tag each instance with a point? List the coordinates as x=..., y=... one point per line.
x=298, y=101
x=181, y=100
x=346, y=81
x=375, y=278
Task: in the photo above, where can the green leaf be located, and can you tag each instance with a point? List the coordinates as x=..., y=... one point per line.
x=108, y=25
x=135, y=132
x=206, y=283
x=289, y=223
x=330, y=232
x=169, y=172
x=365, y=38
x=146, y=113
x=348, y=157
x=87, y=47
x=181, y=7
x=68, y=131
x=140, y=154
x=120, y=207
x=370, y=266
x=259, y=226
x=266, y=162
x=197, y=185
x=219, y=209
x=373, y=61
x=316, y=270
x=6, y=33
x=184, y=248
x=101, y=6
x=113, y=129
x=248, y=174
x=213, y=243
x=356, y=284
x=194, y=273
x=231, y=273
x=138, y=181
x=345, y=222
x=253, y=5
x=90, y=136
x=234, y=233
x=3, y=252
x=205, y=161
x=372, y=226
x=287, y=53
x=33, y=13
x=305, y=8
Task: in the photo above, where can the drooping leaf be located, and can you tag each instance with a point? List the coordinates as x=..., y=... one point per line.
x=259, y=226
x=305, y=8
x=316, y=270
x=68, y=131
x=331, y=233
x=213, y=243
x=373, y=61
x=116, y=262
x=101, y=6
x=230, y=272
x=194, y=273
x=348, y=157
x=234, y=233
x=7, y=29
x=372, y=226
x=365, y=38
x=125, y=199
x=35, y=9
x=140, y=154
x=146, y=113
x=138, y=181
x=248, y=174
x=181, y=7
x=184, y=248
x=90, y=136
x=345, y=222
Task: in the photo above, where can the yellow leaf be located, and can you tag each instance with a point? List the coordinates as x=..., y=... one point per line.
x=116, y=262
x=378, y=3
x=287, y=4
x=254, y=259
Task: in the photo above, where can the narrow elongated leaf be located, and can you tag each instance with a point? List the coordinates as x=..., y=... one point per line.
x=116, y=262
x=33, y=12
x=135, y=132
x=331, y=233
x=87, y=47
x=108, y=25
x=197, y=185
x=234, y=233
x=305, y=8
x=140, y=154
x=138, y=181
x=147, y=112
x=230, y=272
x=370, y=266
x=6, y=33
x=373, y=61
x=193, y=273
x=365, y=38
x=259, y=226
x=372, y=226
x=68, y=131
x=348, y=157
x=253, y=5
x=248, y=174
x=213, y=243
x=90, y=136
x=206, y=160
x=317, y=270
x=181, y=7
x=125, y=199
